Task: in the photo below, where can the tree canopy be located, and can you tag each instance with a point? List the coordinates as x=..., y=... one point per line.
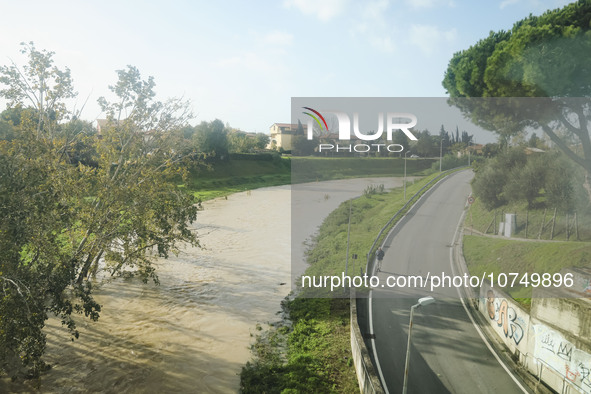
x=546, y=57
x=73, y=205
x=541, y=56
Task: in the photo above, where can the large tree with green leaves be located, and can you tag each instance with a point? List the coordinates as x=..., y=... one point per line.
x=547, y=57
x=211, y=138
x=63, y=219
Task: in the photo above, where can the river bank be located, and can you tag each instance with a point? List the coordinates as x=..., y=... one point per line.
x=192, y=332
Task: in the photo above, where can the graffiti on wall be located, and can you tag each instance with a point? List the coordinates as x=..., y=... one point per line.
x=555, y=351
x=506, y=317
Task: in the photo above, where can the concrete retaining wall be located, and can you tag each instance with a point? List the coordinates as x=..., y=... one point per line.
x=551, y=341
x=369, y=382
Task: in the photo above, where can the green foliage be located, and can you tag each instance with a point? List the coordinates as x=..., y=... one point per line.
x=373, y=189
x=488, y=186
x=544, y=179
x=72, y=204
x=240, y=173
x=301, y=146
x=240, y=142
x=494, y=255
x=450, y=161
x=212, y=138
x=40, y=85
x=6, y=130
x=525, y=183
x=491, y=150
x=318, y=351
x=426, y=145
x=529, y=61
x=262, y=140
x=310, y=169
x=560, y=188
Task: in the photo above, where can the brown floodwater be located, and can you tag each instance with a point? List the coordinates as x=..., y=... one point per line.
x=192, y=332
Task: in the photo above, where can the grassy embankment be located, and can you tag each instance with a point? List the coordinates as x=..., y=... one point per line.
x=498, y=255
x=495, y=255
x=310, y=169
x=254, y=171
x=313, y=353
x=236, y=175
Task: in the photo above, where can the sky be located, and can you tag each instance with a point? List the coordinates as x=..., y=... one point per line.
x=241, y=62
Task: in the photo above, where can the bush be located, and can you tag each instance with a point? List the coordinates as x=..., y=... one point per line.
x=488, y=187
x=525, y=183
x=560, y=190
x=512, y=177
x=450, y=161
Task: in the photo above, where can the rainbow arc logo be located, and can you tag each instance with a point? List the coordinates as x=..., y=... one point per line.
x=316, y=118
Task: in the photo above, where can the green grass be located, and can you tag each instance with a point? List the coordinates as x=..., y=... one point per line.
x=368, y=215
x=223, y=178
x=495, y=255
x=227, y=177
x=318, y=358
x=309, y=169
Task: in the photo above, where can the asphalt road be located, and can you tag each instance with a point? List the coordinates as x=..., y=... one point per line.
x=447, y=353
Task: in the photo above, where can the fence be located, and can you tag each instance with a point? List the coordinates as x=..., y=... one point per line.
x=548, y=224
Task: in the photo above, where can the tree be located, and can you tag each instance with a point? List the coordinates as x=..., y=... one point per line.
x=262, y=140
x=525, y=182
x=490, y=150
x=425, y=146
x=212, y=138
x=545, y=56
x=399, y=138
x=239, y=141
x=466, y=138
x=6, y=130
x=63, y=220
x=444, y=139
x=40, y=85
x=534, y=141
x=514, y=177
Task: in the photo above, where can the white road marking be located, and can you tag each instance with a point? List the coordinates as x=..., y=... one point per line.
x=480, y=333
x=373, y=344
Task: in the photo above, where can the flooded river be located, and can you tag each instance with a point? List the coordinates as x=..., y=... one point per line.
x=192, y=332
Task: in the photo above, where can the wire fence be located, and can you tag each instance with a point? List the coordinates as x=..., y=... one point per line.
x=547, y=224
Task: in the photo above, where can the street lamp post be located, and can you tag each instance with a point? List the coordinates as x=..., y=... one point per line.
x=422, y=302
x=348, y=239
x=440, y=153
x=405, y=175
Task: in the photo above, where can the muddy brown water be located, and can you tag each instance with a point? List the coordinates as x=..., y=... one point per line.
x=192, y=332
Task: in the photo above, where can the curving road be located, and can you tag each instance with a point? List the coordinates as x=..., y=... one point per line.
x=448, y=354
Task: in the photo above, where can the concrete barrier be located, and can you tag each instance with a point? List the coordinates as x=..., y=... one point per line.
x=551, y=342
x=369, y=382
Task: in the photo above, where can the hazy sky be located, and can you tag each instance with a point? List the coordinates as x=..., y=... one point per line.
x=242, y=61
